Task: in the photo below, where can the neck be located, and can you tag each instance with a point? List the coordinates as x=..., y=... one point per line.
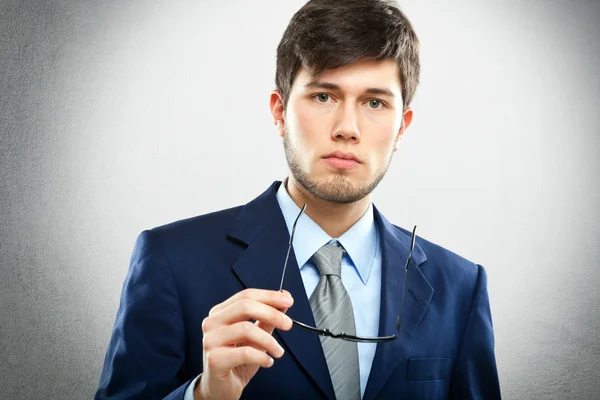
x=333, y=218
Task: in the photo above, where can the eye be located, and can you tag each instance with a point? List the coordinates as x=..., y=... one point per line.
x=374, y=103
x=321, y=97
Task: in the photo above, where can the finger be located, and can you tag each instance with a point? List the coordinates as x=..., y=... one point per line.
x=242, y=332
x=223, y=359
x=273, y=298
x=246, y=309
x=267, y=327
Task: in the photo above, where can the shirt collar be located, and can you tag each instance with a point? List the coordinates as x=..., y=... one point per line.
x=360, y=241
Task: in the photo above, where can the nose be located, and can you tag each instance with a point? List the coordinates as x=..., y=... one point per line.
x=346, y=126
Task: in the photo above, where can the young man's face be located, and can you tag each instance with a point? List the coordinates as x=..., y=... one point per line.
x=341, y=129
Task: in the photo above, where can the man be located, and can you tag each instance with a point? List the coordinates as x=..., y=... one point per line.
x=201, y=314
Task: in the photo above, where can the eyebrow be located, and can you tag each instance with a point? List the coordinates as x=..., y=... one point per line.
x=333, y=86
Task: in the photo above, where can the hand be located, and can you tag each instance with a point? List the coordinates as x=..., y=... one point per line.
x=234, y=348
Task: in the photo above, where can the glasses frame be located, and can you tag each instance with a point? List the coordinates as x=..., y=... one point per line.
x=342, y=335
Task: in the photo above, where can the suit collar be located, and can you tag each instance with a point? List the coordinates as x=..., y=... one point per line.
x=395, y=250
x=261, y=226
x=256, y=216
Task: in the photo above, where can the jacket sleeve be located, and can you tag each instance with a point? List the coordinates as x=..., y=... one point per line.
x=146, y=352
x=475, y=375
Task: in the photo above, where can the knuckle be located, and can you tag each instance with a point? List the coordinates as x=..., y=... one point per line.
x=210, y=359
x=247, y=327
x=206, y=324
x=246, y=307
x=247, y=354
x=206, y=341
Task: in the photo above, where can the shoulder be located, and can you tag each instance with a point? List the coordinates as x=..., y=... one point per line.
x=194, y=231
x=445, y=267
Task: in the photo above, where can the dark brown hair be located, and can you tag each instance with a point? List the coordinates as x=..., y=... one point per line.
x=328, y=34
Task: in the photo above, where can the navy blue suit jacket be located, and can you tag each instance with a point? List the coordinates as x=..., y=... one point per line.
x=178, y=272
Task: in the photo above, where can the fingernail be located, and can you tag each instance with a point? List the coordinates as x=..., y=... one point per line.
x=271, y=361
x=280, y=350
x=288, y=301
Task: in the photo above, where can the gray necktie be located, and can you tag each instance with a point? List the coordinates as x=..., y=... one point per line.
x=332, y=310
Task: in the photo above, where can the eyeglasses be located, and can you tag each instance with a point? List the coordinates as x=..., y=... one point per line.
x=345, y=336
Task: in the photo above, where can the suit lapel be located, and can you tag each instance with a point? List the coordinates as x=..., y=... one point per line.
x=262, y=228
x=395, y=249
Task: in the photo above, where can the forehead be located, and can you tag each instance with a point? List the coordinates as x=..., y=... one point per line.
x=355, y=77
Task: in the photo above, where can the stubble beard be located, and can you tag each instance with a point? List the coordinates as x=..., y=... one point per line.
x=338, y=189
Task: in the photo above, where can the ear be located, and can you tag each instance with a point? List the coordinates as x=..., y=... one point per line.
x=406, y=121
x=277, y=111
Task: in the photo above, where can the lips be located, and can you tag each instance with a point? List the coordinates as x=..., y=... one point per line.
x=343, y=156
x=342, y=160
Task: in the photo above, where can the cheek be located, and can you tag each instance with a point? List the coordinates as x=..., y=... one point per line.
x=381, y=142
x=306, y=127
x=382, y=131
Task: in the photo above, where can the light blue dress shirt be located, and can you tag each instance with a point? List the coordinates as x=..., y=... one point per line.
x=361, y=272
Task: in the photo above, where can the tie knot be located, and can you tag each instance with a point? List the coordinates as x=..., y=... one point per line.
x=329, y=259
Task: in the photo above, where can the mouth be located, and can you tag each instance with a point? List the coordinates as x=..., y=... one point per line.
x=342, y=160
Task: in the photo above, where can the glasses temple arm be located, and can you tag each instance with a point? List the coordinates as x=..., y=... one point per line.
x=399, y=321
x=412, y=246
x=285, y=266
x=287, y=256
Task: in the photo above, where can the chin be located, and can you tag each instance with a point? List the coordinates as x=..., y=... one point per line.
x=337, y=189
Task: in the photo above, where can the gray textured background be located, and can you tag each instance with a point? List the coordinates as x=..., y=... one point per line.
x=120, y=116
